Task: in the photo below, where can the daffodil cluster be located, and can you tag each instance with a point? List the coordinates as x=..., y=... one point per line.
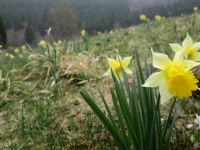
x=9, y=56
x=22, y=49
x=195, y=9
x=175, y=78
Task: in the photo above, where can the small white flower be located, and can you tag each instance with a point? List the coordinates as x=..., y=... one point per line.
x=197, y=121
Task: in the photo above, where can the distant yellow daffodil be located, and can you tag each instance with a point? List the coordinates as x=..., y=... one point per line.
x=117, y=64
x=83, y=32
x=12, y=56
x=175, y=77
x=143, y=17
x=59, y=42
x=16, y=50
x=195, y=9
x=24, y=48
x=42, y=43
x=20, y=56
x=188, y=49
x=157, y=18
x=7, y=54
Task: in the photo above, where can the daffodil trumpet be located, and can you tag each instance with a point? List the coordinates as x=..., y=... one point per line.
x=175, y=78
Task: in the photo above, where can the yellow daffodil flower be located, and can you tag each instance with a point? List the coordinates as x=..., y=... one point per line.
x=24, y=48
x=188, y=49
x=7, y=54
x=175, y=77
x=20, y=56
x=42, y=43
x=117, y=64
x=59, y=42
x=195, y=9
x=83, y=32
x=12, y=56
x=157, y=18
x=143, y=17
x=17, y=50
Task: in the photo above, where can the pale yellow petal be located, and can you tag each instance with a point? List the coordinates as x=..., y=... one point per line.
x=128, y=71
x=196, y=56
x=107, y=73
x=111, y=62
x=189, y=64
x=154, y=80
x=164, y=94
x=187, y=41
x=175, y=47
x=197, y=45
x=126, y=61
x=179, y=56
x=159, y=60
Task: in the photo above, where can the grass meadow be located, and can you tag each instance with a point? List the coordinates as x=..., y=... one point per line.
x=40, y=102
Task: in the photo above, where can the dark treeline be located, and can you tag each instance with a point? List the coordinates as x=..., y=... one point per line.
x=100, y=15
x=173, y=9
x=67, y=17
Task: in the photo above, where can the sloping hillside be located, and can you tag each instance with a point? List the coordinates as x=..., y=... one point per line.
x=40, y=104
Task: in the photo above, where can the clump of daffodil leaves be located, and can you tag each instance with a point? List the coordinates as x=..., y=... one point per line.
x=135, y=122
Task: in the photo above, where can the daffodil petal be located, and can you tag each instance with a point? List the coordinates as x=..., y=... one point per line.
x=175, y=47
x=111, y=62
x=187, y=41
x=126, y=61
x=107, y=73
x=164, y=94
x=159, y=60
x=128, y=71
x=197, y=45
x=189, y=64
x=196, y=56
x=154, y=80
x=179, y=56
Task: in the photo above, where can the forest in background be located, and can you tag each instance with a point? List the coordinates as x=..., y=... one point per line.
x=68, y=17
